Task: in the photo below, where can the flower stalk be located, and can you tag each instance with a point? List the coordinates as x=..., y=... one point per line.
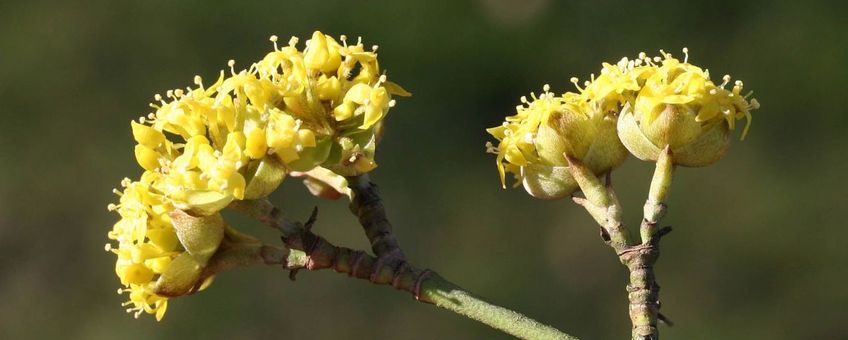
x=602, y=203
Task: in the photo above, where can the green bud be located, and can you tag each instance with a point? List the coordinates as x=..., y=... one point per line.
x=264, y=176
x=591, y=139
x=326, y=184
x=200, y=236
x=691, y=143
x=180, y=278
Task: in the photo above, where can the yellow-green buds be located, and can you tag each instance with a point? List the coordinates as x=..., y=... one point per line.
x=534, y=143
x=680, y=107
x=643, y=104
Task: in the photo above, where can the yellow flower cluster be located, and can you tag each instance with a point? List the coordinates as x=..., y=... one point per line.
x=646, y=103
x=206, y=146
x=147, y=243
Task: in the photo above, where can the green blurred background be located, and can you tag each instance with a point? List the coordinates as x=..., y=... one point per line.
x=759, y=244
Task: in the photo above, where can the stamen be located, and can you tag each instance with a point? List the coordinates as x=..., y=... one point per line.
x=574, y=81
x=293, y=41
x=273, y=39
x=231, y=63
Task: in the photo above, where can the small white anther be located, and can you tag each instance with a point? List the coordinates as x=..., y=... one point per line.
x=546, y=87
x=392, y=103
x=273, y=38
x=198, y=81
x=574, y=80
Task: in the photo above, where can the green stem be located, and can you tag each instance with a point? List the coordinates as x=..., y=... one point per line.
x=601, y=202
x=313, y=252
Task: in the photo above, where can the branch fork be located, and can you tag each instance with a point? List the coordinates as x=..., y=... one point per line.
x=639, y=257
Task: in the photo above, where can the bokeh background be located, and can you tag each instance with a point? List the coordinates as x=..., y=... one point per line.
x=758, y=250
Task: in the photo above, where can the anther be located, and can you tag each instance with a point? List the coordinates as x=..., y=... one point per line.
x=546, y=88
x=686, y=54
x=198, y=81
x=293, y=41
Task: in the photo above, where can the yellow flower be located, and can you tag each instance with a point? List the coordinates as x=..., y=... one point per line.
x=159, y=257
x=534, y=142
x=679, y=106
x=205, y=146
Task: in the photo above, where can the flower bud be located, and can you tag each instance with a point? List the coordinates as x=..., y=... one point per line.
x=324, y=183
x=180, y=278
x=680, y=107
x=200, y=236
x=264, y=177
x=533, y=143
